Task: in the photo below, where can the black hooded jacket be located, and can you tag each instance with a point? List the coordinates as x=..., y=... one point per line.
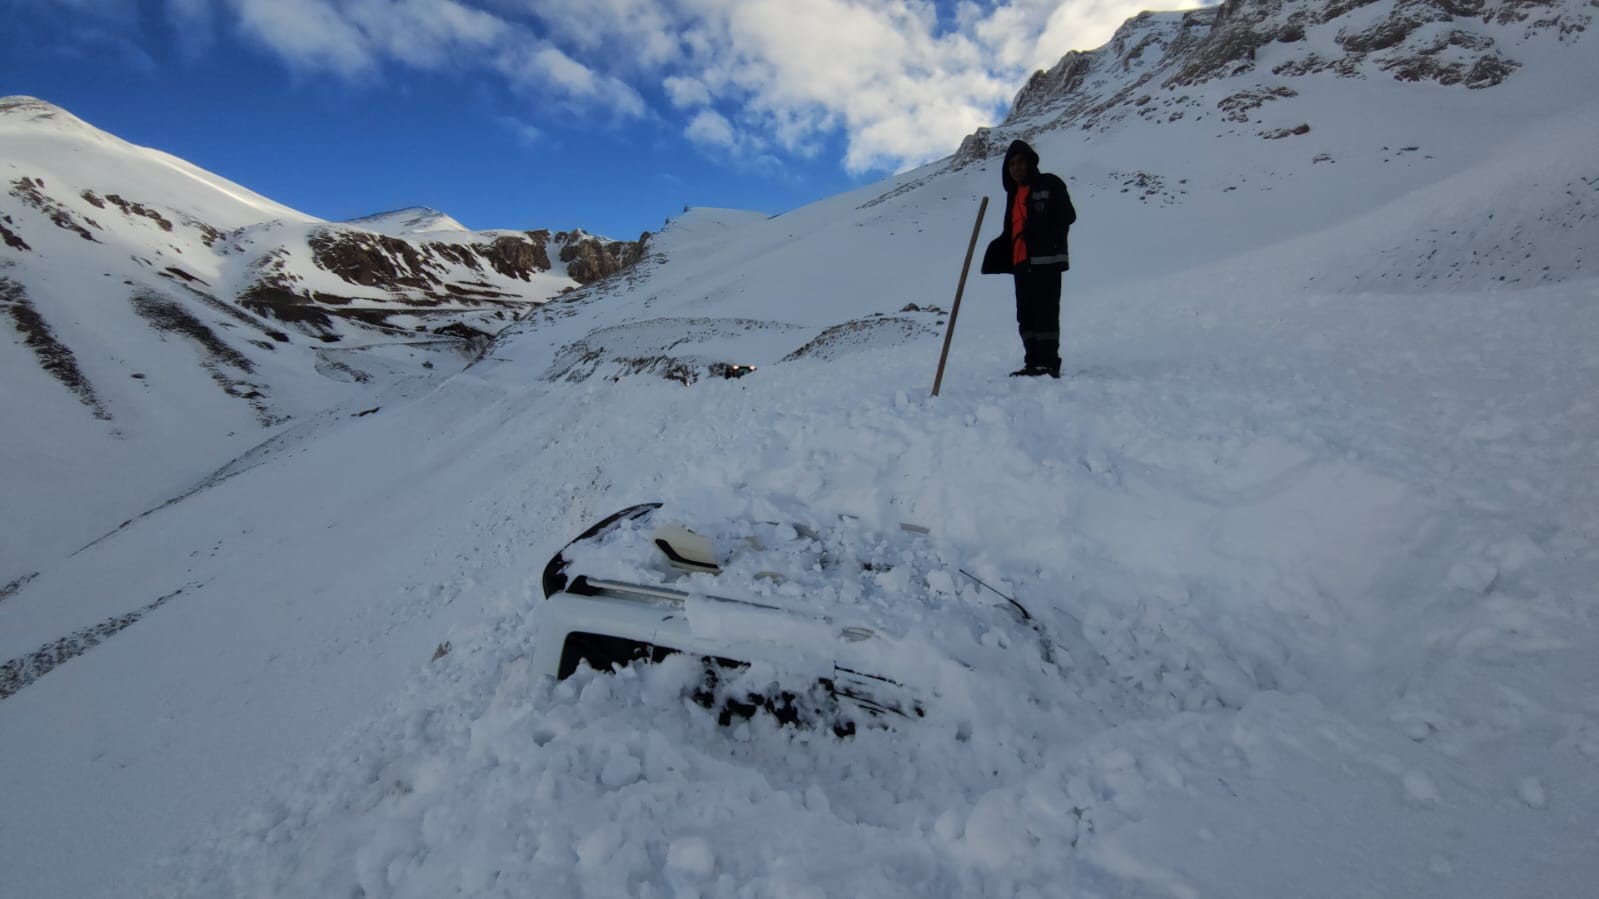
x=1050, y=215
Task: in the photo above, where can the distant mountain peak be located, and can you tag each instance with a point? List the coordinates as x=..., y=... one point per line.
x=409, y=220
x=21, y=106
x=22, y=103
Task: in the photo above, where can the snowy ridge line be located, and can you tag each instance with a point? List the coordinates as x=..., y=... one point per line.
x=62, y=124
x=18, y=673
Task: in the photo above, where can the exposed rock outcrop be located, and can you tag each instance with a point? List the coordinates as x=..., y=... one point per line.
x=55, y=357
x=375, y=260
x=975, y=147
x=289, y=307
x=168, y=316
x=420, y=270
x=128, y=208
x=589, y=259
x=31, y=191
x=517, y=256
x=11, y=238
x=429, y=274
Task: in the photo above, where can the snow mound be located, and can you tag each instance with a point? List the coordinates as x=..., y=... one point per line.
x=865, y=334
x=678, y=349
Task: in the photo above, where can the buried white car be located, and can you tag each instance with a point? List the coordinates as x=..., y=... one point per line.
x=812, y=627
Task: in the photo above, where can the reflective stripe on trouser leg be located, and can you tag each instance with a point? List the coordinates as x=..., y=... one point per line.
x=1038, y=316
x=1042, y=348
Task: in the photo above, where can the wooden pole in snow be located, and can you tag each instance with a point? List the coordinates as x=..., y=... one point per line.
x=960, y=288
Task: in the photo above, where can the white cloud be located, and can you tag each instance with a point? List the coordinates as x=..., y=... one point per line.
x=903, y=84
x=358, y=39
x=525, y=134
x=902, y=80
x=186, y=14
x=193, y=25
x=546, y=70
x=902, y=91
x=309, y=34
x=686, y=93
x=565, y=71
x=1100, y=18
x=633, y=35
x=353, y=38
x=426, y=34
x=710, y=128
x=720, y=138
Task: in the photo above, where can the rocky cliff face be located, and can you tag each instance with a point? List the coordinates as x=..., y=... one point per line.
x=425, y=273
x=423, y=265
x=589, y=259
x=1156, y=62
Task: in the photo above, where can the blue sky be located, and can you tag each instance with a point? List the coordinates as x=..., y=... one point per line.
x=607, y=115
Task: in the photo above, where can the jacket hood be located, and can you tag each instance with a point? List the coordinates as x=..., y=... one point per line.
x=1017, y=148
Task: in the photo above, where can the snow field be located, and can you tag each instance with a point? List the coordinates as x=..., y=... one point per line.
x=1286, y=625
x=1288, y=593
x=1312, y=522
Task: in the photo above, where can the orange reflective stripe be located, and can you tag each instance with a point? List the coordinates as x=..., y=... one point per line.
x=1018, y=219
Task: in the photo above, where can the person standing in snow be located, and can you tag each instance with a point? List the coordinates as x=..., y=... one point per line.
x=1032, y=248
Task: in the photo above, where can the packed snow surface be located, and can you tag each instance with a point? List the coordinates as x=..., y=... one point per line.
x=1311, y=521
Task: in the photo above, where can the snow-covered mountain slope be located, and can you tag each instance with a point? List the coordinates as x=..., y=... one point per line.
x=53, y=144
x=161, y=320
x=1315, y=510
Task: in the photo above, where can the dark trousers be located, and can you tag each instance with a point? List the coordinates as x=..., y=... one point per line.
x=1038, y=316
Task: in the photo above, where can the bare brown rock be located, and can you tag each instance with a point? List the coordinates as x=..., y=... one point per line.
x=1241, y=105
x=287, y=306
x=590, y=259
x=55, y=357
x=12, y=239
x=209, y=234
x=374, y=260
x=1280, y=133
x=1045, y=86
x=31, y=192
x=518, y=256
x=166, y=316
x=139, y=209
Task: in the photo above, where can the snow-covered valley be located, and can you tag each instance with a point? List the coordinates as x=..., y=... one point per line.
x=1313, y=510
